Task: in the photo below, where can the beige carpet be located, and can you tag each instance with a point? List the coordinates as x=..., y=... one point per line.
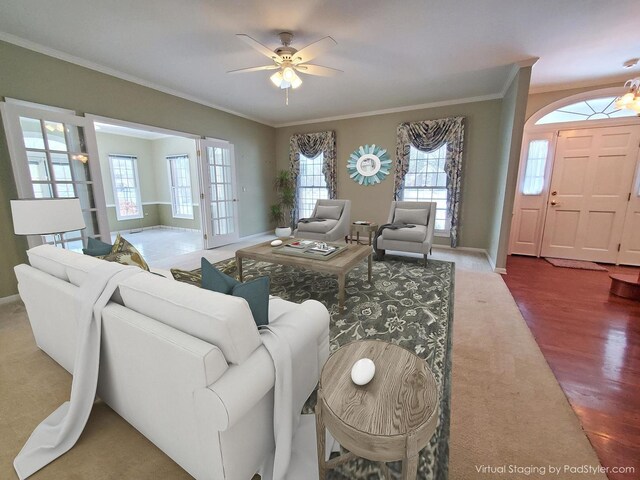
x=507, y=408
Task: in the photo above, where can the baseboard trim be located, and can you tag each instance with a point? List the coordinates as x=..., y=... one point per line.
x=153, y=227
x=492, y=264
x=254, y=235
x=463, y=249
x=9, y=299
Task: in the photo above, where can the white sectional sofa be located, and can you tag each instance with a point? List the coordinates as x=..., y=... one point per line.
x=185, y=366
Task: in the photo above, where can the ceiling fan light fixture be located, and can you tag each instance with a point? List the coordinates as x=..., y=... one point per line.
x=276, y=78
x=296, y=81
x=288, y=74
x=631, y=99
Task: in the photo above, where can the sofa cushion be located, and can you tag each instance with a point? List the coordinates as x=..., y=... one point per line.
x=255, y=292
x=413, y=234
x=126, y=254
x=97, y=248
x=63, y=264
x=222, y=320
x=414, y=216
x=317, y=227
x=332, y=212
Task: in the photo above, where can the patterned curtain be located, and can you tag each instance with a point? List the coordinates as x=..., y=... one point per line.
x=427, y=136
x=311, y=145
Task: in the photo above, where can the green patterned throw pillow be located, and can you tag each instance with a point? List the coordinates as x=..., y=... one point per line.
x=193, y=277
x=125, y=253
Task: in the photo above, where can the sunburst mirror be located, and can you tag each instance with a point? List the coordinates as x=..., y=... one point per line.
x=368, y=164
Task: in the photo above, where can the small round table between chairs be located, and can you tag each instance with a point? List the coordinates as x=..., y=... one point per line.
x=391, y=418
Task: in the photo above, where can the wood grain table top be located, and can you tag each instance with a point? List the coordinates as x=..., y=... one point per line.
x=401, y=398
x=341, y=263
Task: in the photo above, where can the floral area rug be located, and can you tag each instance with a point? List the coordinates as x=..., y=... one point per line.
x=407, y=304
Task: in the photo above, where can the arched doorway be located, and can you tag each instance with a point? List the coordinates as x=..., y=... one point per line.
x=578, y=192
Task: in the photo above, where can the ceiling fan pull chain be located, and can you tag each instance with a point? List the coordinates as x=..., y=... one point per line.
x=286, y=90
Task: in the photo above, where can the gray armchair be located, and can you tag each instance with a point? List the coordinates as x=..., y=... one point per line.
x=418, y=239
x=335, y=226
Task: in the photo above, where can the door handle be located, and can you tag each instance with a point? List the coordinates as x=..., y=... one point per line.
x=554, y=203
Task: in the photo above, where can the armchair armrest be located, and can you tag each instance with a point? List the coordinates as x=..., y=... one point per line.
x=431, y=226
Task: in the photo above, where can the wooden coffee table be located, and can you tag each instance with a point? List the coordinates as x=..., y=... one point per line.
x=391, y=418
x=340, y=265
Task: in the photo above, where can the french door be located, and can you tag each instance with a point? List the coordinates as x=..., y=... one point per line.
x=219, y=198
x=590, y=190
x=54, y=155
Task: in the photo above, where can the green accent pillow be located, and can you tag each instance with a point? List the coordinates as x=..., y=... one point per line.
x=255, y=292
x=97, y=248
x=125, y=253
x=192, y=277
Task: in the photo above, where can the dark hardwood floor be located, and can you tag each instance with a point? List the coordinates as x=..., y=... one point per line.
x=591, y=340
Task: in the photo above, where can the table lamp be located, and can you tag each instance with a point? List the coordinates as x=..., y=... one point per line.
x=47, y=216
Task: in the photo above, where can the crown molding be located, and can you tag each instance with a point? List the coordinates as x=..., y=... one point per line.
x=51, y=52
x=602, y=82
x=482, y=98
x=528, y=62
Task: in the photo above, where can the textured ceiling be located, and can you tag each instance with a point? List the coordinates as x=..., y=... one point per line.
x=394, y=54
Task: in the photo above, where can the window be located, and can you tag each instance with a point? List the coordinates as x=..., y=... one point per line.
x=594, y=109
x=180, y=185
x=426, y=181
x=536, y=163
x=312, y=185
x=126, y=186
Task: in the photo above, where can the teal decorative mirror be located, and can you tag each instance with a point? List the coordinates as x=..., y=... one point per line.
x=368, y=165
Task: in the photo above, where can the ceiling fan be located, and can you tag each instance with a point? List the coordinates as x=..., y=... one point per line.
x=288, y=61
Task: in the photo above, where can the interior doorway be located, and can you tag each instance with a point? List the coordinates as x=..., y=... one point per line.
x=152, y=188
x=578, y=193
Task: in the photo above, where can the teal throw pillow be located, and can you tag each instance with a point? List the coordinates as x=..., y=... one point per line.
x=255, y=292
x=97, y=248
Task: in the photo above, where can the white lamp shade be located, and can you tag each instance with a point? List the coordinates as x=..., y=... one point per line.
x=46, y=216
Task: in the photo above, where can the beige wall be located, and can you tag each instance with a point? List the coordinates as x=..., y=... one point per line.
x=34, y=77
x=372, y=202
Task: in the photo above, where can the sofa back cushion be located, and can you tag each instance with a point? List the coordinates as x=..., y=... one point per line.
x=222, y=320
x=413, y=216
x=64, y=264
x=331, y=212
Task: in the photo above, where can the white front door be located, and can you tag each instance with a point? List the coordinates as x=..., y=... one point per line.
x=630, y=245
x=219, y=199
x=54, y=155
x=592, y=177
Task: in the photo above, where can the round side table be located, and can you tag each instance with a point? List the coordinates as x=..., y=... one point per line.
x=391, y=418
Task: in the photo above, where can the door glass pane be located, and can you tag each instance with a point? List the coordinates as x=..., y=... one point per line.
x=38, y=167
x=42, y=190
x=61, y=168
x=66, y=190
x=80, y=167
x=76, y=139
x=55, y=136
x=32, y=133
x=536, y=163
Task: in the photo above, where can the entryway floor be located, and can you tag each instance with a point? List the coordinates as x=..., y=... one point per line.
x=591, y=340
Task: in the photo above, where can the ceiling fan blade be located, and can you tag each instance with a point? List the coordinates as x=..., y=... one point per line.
x=259, y=47
x=314, y=49
x=254, y=69
x=317, y=70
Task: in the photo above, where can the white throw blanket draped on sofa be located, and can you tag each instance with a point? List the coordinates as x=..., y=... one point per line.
x=59, y=432
x=286, y=408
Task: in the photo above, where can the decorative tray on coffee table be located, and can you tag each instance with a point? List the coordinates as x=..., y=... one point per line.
x=311, y=249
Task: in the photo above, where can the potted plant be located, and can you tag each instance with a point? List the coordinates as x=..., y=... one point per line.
x=281, y=211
